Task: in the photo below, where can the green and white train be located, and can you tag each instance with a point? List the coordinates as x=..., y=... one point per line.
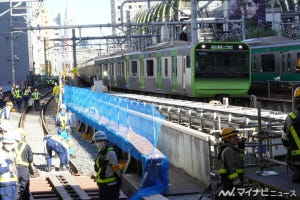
x=275, y=58
x=207, y=69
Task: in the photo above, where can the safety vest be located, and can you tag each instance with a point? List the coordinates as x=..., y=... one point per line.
x=18, y=94
x=101, y=163
x=63, y=120
x=240, y=163
x=19, y=153
x=295, y=146
x=26, y=92
x=7, y=176
x=56, y=90
x=36, y=96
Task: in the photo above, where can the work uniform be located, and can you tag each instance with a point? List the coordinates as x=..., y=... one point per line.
x=232, y=169
x=36, y=99
x=107, y=180
x=55, y=93
x=54, y=144
x=5, y=113
x=19, y=98
x=62, y=120
x=8, y=180
x=26, y=96
x=290, y=139
x=24, y=157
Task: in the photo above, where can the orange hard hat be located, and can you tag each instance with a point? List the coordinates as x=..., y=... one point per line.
x=228, y=132
x=297, y=92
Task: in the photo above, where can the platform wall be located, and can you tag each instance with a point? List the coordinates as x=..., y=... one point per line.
x=186, y=149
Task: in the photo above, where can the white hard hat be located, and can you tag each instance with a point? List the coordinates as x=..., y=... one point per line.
x=63, y=106
x=16, y=135
x=8, y=137
x=5, y=125
x=100, y=135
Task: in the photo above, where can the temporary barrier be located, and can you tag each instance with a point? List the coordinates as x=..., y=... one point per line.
x=133, y=126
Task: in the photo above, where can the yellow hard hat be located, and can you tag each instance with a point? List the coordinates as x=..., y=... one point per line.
x=228, y=132
x=297, y=92
x=35, y=89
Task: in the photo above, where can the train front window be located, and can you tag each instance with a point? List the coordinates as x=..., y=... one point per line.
x=222, y=64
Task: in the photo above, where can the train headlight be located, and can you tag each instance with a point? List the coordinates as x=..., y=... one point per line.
x=203, y=46
x=240, y=46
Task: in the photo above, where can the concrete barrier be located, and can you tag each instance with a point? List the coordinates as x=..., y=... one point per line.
x=186, y=149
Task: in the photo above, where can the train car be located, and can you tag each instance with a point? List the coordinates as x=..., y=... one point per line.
x=275, y=59
x=275, y=66
x=207, y=69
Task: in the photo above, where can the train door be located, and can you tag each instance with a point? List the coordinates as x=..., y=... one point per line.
x=127, y=71
x=142, y=74
x=285, y=65
x=159, y=74
x=174, y=71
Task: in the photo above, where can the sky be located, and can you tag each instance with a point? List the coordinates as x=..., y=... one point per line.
x=84, y=11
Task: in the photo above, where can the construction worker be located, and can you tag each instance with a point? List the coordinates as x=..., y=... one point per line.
x=290, y=137
x=62, y=118
x=107, y=169
x=27, y=95
x=1, y=98
x=36, y=98
x=24, y=158
x=5, y=126
x=55, y=144
x=12, y=92
x=5, y=112
x=55, y=92
x=8, y=171
x=18, y=97
x=232, y=160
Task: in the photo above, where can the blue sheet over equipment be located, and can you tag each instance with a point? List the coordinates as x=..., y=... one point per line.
x=133, y=126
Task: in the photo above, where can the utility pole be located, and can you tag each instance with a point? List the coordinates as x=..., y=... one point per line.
x=45, y=55
x=74, y=56
x=194, y=24
x=12, y=52
x=244, y=14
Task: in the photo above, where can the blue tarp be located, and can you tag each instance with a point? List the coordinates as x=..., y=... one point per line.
x=121, y=119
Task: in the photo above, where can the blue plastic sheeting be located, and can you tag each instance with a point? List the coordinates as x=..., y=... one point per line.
x=133, y=126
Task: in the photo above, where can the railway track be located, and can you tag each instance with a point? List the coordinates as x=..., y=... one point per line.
x=55, y=184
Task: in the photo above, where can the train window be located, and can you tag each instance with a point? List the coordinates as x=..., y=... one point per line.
x=166, y=67
x=188, y=61
x=268, y=63
x=150, y=67
x=254, y=64
x=122, y=68
x=118, y=68
x=289, y=61
x=133, y=68
x=282, y=63
x=221, y=64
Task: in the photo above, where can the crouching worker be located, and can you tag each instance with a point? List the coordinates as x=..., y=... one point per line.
x=232, y=162
x=53, y=144
x=107, y=169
